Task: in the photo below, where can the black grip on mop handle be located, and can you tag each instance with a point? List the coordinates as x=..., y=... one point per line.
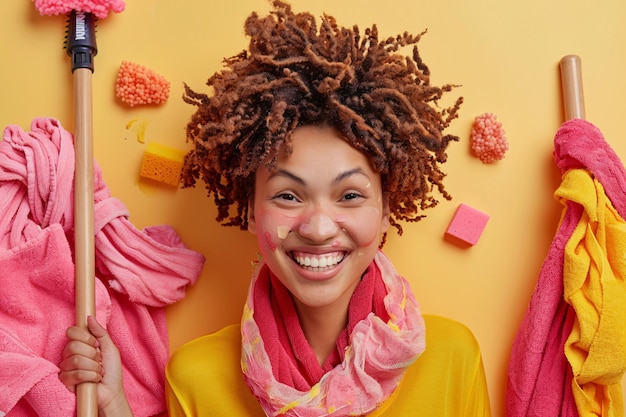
x=81, y=40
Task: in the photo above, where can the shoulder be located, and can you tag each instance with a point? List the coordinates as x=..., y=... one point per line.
x=225, y=338
x=204, y=377
x=447, y=379
x=449, y=336
x=452, y=352
x=213, y=353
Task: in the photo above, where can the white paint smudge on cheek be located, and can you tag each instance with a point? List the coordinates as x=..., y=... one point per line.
x=282, y=231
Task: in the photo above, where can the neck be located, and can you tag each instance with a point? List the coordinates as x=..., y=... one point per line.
x=321, y=327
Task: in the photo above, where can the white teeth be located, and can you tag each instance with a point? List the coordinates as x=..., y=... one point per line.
x=318, y=262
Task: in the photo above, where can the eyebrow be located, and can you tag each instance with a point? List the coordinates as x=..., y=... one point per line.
x=338, y=178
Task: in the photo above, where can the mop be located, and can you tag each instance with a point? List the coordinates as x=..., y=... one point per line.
x=569, y=353
x=594, y=271
x=81, y=47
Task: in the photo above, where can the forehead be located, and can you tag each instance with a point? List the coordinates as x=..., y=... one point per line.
x=320, y=155
x=313, y=140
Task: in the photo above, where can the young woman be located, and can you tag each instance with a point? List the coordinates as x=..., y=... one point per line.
x=316, y=140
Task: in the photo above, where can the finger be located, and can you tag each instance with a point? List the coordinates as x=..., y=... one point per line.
x=91, y=361
x=76, y=369
x=81, y=335
x=72, y=378
x=75, y=348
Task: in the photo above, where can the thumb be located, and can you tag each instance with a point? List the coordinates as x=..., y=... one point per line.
x=110, y=354
x=112, y=370
x=98, y=331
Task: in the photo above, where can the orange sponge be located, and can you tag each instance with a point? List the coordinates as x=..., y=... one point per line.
x=136, y=84
x=162, y=163
x=488, y=139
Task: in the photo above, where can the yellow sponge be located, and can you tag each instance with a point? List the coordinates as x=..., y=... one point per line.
x=162, y=163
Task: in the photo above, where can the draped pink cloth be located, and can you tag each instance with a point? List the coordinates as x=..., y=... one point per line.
x=138, y=273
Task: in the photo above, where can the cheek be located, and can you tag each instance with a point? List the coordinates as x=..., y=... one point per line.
x=364, y=225
x=273, y=228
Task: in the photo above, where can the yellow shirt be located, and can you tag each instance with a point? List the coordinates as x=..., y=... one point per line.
x=204, y=377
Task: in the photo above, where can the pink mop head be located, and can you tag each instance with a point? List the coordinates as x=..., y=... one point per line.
x=99, y=8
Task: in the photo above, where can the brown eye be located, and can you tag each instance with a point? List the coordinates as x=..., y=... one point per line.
x=286, y=196
x=352, y=196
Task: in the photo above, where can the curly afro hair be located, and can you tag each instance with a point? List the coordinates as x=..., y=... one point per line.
x=295, y=73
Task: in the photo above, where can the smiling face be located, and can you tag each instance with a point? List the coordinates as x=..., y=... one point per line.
x=319, y=218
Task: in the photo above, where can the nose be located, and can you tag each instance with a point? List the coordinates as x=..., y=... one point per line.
x=319, y=227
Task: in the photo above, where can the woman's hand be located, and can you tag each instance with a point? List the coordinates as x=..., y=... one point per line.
x=91, y=356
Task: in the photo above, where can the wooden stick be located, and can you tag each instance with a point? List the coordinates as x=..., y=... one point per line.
x=86, y=395
x=572, y=84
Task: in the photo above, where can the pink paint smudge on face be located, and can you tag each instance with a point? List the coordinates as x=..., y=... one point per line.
x=364, y=227
x=275, y=228
x=269, y=241
x=341, y=218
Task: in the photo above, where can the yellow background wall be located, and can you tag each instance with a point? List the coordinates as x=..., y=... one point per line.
x=504, y=55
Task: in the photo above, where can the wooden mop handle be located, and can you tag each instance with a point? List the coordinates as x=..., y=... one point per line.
x=86, y=396
x=572, y=84
x=81, y=47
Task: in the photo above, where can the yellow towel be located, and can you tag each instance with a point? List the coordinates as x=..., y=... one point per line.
x=594, y=273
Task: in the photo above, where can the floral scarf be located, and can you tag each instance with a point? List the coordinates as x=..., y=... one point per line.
x=374, y=361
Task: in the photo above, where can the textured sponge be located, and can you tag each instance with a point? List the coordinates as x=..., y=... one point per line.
x=488, y=139
x=467, y=224
x=162, y=163
x=136, y=84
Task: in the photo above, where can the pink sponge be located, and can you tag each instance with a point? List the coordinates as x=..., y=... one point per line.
x=99, y=8
x=467, y=224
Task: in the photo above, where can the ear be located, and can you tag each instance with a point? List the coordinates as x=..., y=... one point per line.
x=384, y=223
x=251, y=218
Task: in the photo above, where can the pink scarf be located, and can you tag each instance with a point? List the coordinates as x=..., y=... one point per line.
x=384, y=335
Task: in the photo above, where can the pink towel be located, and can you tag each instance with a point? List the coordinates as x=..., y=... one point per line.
x=580, y=144
x=139, y=272
x=537, y=384
x=539, y=379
